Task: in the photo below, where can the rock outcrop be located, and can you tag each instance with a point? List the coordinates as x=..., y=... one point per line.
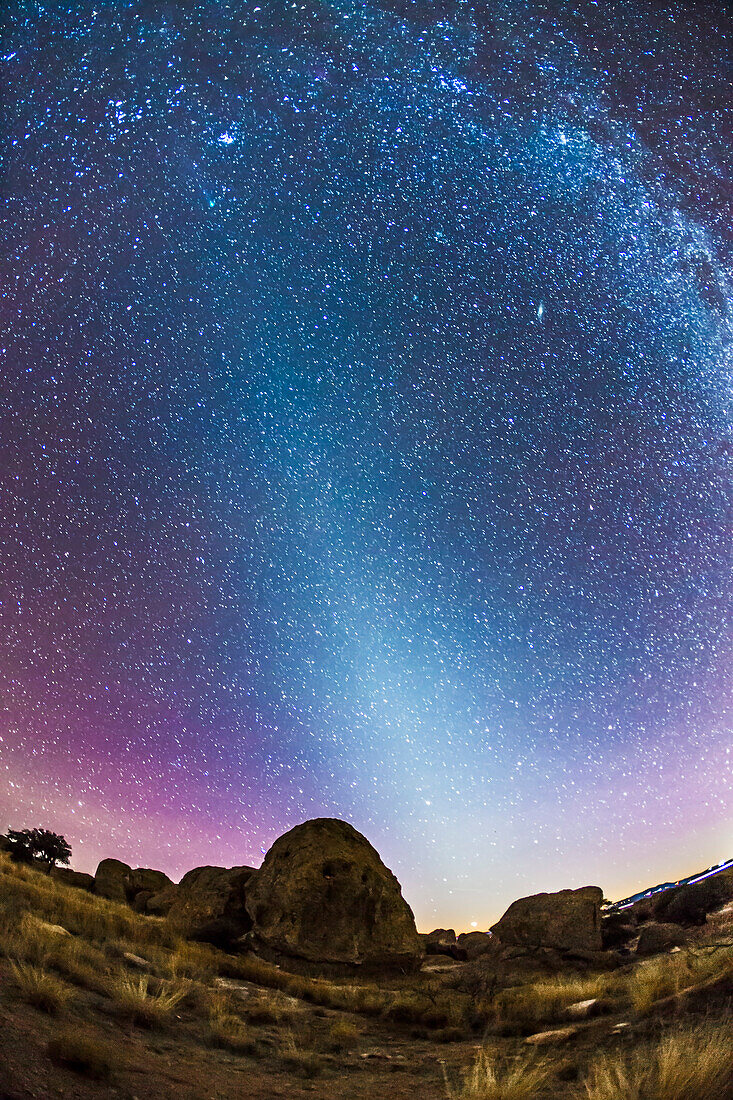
x=209, y=904
x=569, y=920
x=691, y=904
x=78, y=879
x=119, y=882
x=324, y=895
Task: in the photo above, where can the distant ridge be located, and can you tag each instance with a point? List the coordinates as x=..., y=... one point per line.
x=725, y=865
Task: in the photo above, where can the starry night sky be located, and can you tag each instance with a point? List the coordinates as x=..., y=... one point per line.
x=364, y=427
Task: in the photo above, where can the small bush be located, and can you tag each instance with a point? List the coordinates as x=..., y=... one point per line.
x=83, y=1054
x=692, y=1064
x=41, y=989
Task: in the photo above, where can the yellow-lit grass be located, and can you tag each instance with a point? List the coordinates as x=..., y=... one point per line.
x=527, y=1007
x=134, y=999
x=686, y=1064
x=40, y=988
x=490, y=1079
x=83, y=914
x=664, y=975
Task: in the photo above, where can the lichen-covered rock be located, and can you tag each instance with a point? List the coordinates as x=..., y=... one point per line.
x=324, y=895
x=567, y=921
x=656, y=938
x=110, y=879
x=78, y=879
x=209, y=904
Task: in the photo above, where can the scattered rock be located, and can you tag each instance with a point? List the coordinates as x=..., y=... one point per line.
x=547, y=1038
x=109, y=881
x=324, y=895
x=55, y=929
x=582, y=1010
x=135, y=961
x=656, y=938
x=568, y=920
x=209, y=904
x=78, y=879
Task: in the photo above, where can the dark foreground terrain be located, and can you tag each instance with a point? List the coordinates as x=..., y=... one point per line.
x=99, y=1001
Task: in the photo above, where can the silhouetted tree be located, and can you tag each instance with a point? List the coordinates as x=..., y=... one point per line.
x=27, y=845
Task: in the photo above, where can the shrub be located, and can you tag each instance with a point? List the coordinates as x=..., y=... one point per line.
x=692, y=1064
x=85, y=1055
x=41, y=989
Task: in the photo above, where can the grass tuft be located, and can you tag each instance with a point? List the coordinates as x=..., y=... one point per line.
x=686, y=1064
x=40, y=988
x=489, y=1079
x=134, y=999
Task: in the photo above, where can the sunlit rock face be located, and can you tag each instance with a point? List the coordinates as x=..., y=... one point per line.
x=324, y=895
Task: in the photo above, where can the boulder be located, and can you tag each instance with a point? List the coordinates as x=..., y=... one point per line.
x=440, y=935
x=145, y=879
x=119, y=882
x=691, y=904
x=569, y=920
x=160, y=905
x=474, y=943
x=656, y=938
x=208, y=904
x=324, y=895
x=110, y=879
x=78, y=879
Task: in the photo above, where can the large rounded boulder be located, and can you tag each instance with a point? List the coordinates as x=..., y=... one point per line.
x=569, y=920
x=324, y=895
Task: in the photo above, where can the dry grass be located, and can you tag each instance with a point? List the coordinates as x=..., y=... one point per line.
x=525, y=1008
x=664, y=975
x=691, y=1064
x=40, y=988
x=23, y=889
x=134, y=999
x=344, y=1035
x=228, y=1030
x=489, y=1079
x=306, y=1063
x=85, y=1055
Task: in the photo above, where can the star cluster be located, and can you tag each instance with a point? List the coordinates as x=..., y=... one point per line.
x=365, y=419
